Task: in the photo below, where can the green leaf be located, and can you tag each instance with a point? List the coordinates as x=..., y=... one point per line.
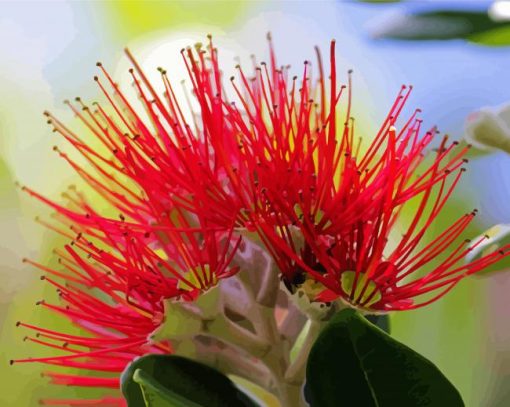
x=354, y=363
x=155, y=395
x=380, y=321
x=446, y=25
x=496, y=37
x=174, y=381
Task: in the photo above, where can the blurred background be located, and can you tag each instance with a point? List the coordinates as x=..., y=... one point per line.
x=456, y=54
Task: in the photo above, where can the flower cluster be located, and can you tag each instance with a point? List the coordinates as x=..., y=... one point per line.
x=111, y=281
x=281, y=161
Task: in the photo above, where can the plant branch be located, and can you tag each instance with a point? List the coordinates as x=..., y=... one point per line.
x=295, y=373
x=231, y=333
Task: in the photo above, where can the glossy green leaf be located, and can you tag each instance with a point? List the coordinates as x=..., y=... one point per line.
x=380, y=321
x=354, y=363
x=174, y=381
x=155, y=395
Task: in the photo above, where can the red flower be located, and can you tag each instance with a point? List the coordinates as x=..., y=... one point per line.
x=368, y=262
x=145, y=167
x=114, y=326
x=175, y=236
x=111, y=282
x=326, y=205
x=278, y=163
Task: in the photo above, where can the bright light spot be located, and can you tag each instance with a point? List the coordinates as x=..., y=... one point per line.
x=163, y=49
x=500, y=10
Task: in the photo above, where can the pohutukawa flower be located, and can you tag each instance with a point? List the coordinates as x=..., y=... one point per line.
x=111, y=282
x=375, y=263
x=281, y=159
x=95, y=295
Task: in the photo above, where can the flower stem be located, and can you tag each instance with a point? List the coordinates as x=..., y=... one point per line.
x=295, y=373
